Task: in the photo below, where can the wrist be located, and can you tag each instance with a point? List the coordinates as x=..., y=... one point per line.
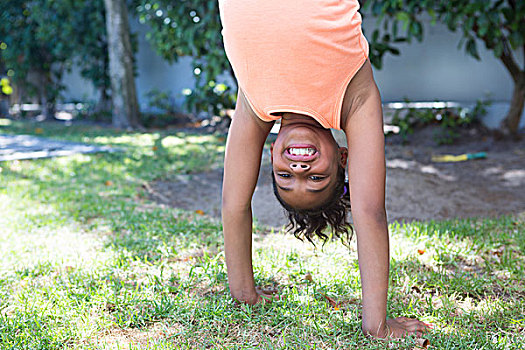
x=248, y=296
x=378, y=331
x=375, y=328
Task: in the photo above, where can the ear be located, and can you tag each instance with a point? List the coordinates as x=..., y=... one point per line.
x=271, y=152
x=343, y=152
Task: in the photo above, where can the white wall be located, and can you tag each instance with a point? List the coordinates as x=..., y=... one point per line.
x=153, y=73
x=437, y=69
x=428, y=71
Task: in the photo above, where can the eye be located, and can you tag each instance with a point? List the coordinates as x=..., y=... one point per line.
x=317, y=178
x=284, y=175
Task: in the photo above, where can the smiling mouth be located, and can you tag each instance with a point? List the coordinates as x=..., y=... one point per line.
x=301, y=152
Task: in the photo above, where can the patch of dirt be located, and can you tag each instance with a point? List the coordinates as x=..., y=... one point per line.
x=118, y=338
x=202, y=192
x=417, y=188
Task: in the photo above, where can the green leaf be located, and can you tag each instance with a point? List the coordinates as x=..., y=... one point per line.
x=395, y=28
x=395, y=51
x=375, y=35
x=508, y=14
x=403, y=17
x=377, y=8
x=417, y=30
x=472, y=49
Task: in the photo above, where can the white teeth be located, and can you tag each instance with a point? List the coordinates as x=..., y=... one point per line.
x=301, y=151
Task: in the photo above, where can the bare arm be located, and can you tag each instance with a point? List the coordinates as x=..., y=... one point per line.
x=364, y=131
x=241, y=169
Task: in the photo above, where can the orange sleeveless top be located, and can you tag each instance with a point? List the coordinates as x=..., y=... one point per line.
x=294, y=55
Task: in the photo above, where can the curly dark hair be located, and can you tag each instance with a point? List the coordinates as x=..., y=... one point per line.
x=308, y=223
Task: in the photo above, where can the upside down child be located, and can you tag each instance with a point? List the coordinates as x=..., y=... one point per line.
x=305, y=62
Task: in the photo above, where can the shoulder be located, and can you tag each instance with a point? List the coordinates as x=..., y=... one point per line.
x=244, y=111
x=361, y=89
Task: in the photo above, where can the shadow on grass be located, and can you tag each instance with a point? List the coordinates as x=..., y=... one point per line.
x=103, y=193
x=108, y=187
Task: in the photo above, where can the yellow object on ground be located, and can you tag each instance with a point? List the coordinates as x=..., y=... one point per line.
x=459, y=158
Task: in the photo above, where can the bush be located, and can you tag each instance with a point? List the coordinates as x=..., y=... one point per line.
x=449, y=119
x=164, y=111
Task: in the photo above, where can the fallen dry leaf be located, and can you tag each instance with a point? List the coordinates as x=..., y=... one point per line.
x=421, y=343
x=308, y=277
x=332, y=302
x=498, y=252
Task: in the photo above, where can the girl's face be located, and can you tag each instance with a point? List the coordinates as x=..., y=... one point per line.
x=305, y=159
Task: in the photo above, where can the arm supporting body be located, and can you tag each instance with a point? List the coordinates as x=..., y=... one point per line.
x=363, y=125
x=244, y=147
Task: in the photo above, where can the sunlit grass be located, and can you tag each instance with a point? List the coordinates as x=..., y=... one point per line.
x=89, y=262
x=5, y=122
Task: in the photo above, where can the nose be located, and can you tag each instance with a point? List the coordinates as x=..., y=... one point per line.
x=299, y=167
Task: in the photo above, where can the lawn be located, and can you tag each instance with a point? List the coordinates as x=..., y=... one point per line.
x=90, y=262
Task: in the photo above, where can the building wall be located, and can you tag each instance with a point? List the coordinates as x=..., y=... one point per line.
x=437, y=69
x=433, y=70
x=153, y=72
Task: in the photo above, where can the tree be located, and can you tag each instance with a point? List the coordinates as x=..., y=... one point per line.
x=43, y=38
x=499, y=25
x=124, y=96
x=88, y=20
x=193, y=28
x=37, y=61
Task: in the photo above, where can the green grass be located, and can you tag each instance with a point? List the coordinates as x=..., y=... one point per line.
x=89, y=262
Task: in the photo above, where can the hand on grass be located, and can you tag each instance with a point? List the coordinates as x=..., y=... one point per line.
x=258, y=296
x=266, y=295
x=401, y=327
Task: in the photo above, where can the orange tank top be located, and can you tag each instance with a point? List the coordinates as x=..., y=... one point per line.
x=294, y=56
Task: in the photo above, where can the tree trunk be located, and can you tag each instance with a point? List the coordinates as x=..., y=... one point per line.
x=125, y=107
x=4, y=107
x=512, y=121
x=104, y=101
x=46, y=96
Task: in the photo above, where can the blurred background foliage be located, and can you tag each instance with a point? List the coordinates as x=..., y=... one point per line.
x=41, y=39
x=499, y=25
x=189, y=28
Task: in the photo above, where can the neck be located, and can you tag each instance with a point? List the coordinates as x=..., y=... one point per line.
x=293, y=118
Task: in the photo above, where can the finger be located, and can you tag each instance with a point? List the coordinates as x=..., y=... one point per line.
x=267, y=298
x=415, y=322
x=270, y=292
x=403, y=319
x=416, y=328
x=261, y=299
x=265, y=291
x=422, y=326
x=409, y=322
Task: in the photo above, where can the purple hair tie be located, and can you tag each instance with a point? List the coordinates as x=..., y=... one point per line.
x=345, y=188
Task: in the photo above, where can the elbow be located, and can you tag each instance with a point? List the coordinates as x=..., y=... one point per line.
x=231, y=206
x=370, y=213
